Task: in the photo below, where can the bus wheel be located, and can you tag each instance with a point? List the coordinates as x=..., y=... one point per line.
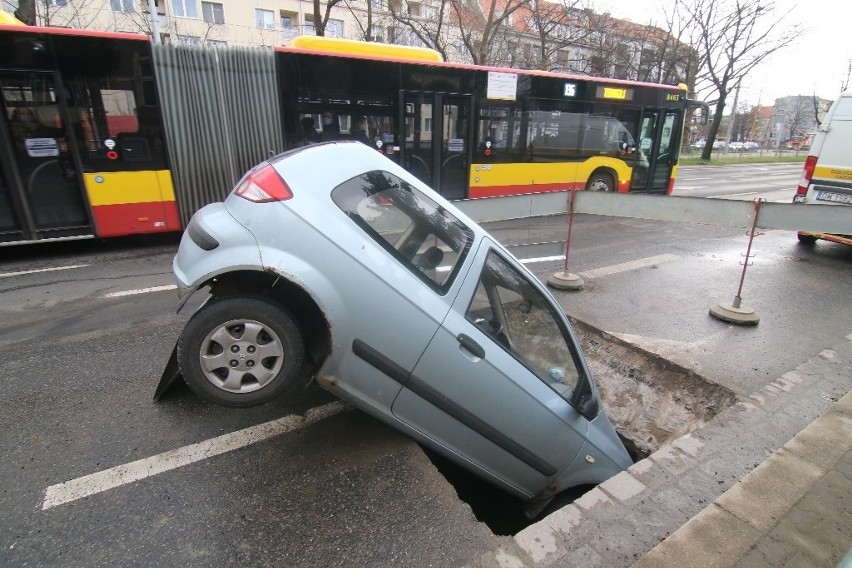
x=241, y=351
x=600, y=182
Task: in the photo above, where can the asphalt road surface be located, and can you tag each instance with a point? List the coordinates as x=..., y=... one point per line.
x=94, y=473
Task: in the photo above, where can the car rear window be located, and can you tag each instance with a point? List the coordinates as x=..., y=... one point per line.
x=419, y=233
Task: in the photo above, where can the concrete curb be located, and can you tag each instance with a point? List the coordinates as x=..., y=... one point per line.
x=746, y=515
x=623, y=519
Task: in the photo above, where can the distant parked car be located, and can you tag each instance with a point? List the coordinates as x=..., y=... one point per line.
x=719, y=144
x=750, y=145
x=699, y=144
x=736, y=146
x=335, y=257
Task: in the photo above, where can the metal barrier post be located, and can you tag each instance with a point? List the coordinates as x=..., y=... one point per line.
x=565, y=280
x=735, y=312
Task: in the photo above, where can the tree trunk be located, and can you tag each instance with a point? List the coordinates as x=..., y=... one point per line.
x=319, y=27
x=26, y=12
x=714, y=129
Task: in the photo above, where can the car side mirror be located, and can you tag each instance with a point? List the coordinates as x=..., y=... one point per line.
x=589, y=406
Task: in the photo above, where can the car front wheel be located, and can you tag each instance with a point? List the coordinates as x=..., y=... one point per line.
x=241, y=351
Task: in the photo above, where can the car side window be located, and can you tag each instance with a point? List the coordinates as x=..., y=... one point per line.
x=516, y=315
x=419, y=233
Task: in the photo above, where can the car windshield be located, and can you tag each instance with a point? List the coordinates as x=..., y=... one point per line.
x=417, y=231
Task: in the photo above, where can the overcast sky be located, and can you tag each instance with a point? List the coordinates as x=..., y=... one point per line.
x=816, y=61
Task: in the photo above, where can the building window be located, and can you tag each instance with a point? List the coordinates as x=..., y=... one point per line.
x=377, y=33
x=309, y=25
x=121, y=5
x=377, y=5
x=265, y=19
x=213, y=12
x=334, y=28
x=184, y=8
x=188, y=40
x=55, y=3
x=216, y=43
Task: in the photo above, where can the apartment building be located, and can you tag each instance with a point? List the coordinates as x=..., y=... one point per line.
x=541, y=35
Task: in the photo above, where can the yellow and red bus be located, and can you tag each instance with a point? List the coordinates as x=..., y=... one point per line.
x=103, y=134
x=472, y=131
x=82, y=150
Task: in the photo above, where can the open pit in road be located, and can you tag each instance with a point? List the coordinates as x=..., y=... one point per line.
x=651, y=400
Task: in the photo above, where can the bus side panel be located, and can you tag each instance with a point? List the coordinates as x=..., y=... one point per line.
x=126, y=203
x=496, y=180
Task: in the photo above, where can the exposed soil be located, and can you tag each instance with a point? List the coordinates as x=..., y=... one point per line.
x=651, y=400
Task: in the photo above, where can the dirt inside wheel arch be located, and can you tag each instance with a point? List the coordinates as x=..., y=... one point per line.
x=651, y=401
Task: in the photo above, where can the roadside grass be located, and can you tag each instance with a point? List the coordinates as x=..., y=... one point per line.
x=721, y=158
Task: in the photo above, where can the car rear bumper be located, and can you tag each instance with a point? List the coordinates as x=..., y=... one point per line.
x=214, y=242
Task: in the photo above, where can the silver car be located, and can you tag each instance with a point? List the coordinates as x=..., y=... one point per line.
x=334, y=259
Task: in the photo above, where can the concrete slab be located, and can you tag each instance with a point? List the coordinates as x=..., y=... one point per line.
x=825, y=441
x=697, y=543
x=763, y=497
x=622, y=486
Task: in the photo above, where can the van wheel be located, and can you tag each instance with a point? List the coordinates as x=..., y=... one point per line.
x=807, y=239
x=241, y=351
x=600, y=182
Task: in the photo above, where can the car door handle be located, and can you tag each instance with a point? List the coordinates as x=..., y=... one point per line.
x=471, y=345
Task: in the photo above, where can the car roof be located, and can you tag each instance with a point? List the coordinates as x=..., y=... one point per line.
x=313, y=171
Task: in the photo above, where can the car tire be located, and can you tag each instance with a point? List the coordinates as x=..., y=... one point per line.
x=807, y=239
x=241, y=351
x=600, y=181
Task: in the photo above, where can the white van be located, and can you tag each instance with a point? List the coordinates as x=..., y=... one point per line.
x=827, y=177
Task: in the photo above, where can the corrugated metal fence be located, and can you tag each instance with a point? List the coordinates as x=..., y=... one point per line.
x=222, y=117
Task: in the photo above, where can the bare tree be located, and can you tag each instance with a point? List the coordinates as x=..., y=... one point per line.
x=555, y=28
x=845, y=83
x=80, y=14
x=429, y=25
x=321, y=18
x=26, y=12
x=480, y=24
x=365, y=26
x=676, y=60
x=733, y=37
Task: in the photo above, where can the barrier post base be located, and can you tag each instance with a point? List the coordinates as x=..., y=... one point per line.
x=739, y=315
x=565, y=281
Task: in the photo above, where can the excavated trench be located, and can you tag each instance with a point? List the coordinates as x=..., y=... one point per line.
x=651, y=401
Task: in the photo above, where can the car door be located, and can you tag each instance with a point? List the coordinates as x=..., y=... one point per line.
x=495, y=383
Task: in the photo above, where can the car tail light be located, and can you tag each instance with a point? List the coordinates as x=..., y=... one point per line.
x=807, y=174
x=264, y=185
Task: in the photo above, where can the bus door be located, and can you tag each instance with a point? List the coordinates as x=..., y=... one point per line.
x=658, y=150
x=40, y=192
x=436, y=140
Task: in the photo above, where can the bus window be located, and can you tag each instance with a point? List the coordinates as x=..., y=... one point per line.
x=502, y=126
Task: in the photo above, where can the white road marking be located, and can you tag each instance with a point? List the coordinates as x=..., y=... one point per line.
x=54, y=269
x=140, y=291
x=543, y=259
x=626, y=266
x=523, y=261
x=117, y=476
x=736, y=194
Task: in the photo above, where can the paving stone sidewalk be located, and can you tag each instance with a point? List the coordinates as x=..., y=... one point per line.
x=760, y=474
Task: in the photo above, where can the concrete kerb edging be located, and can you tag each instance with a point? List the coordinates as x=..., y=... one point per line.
x=747, y=511
x=549, y=541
